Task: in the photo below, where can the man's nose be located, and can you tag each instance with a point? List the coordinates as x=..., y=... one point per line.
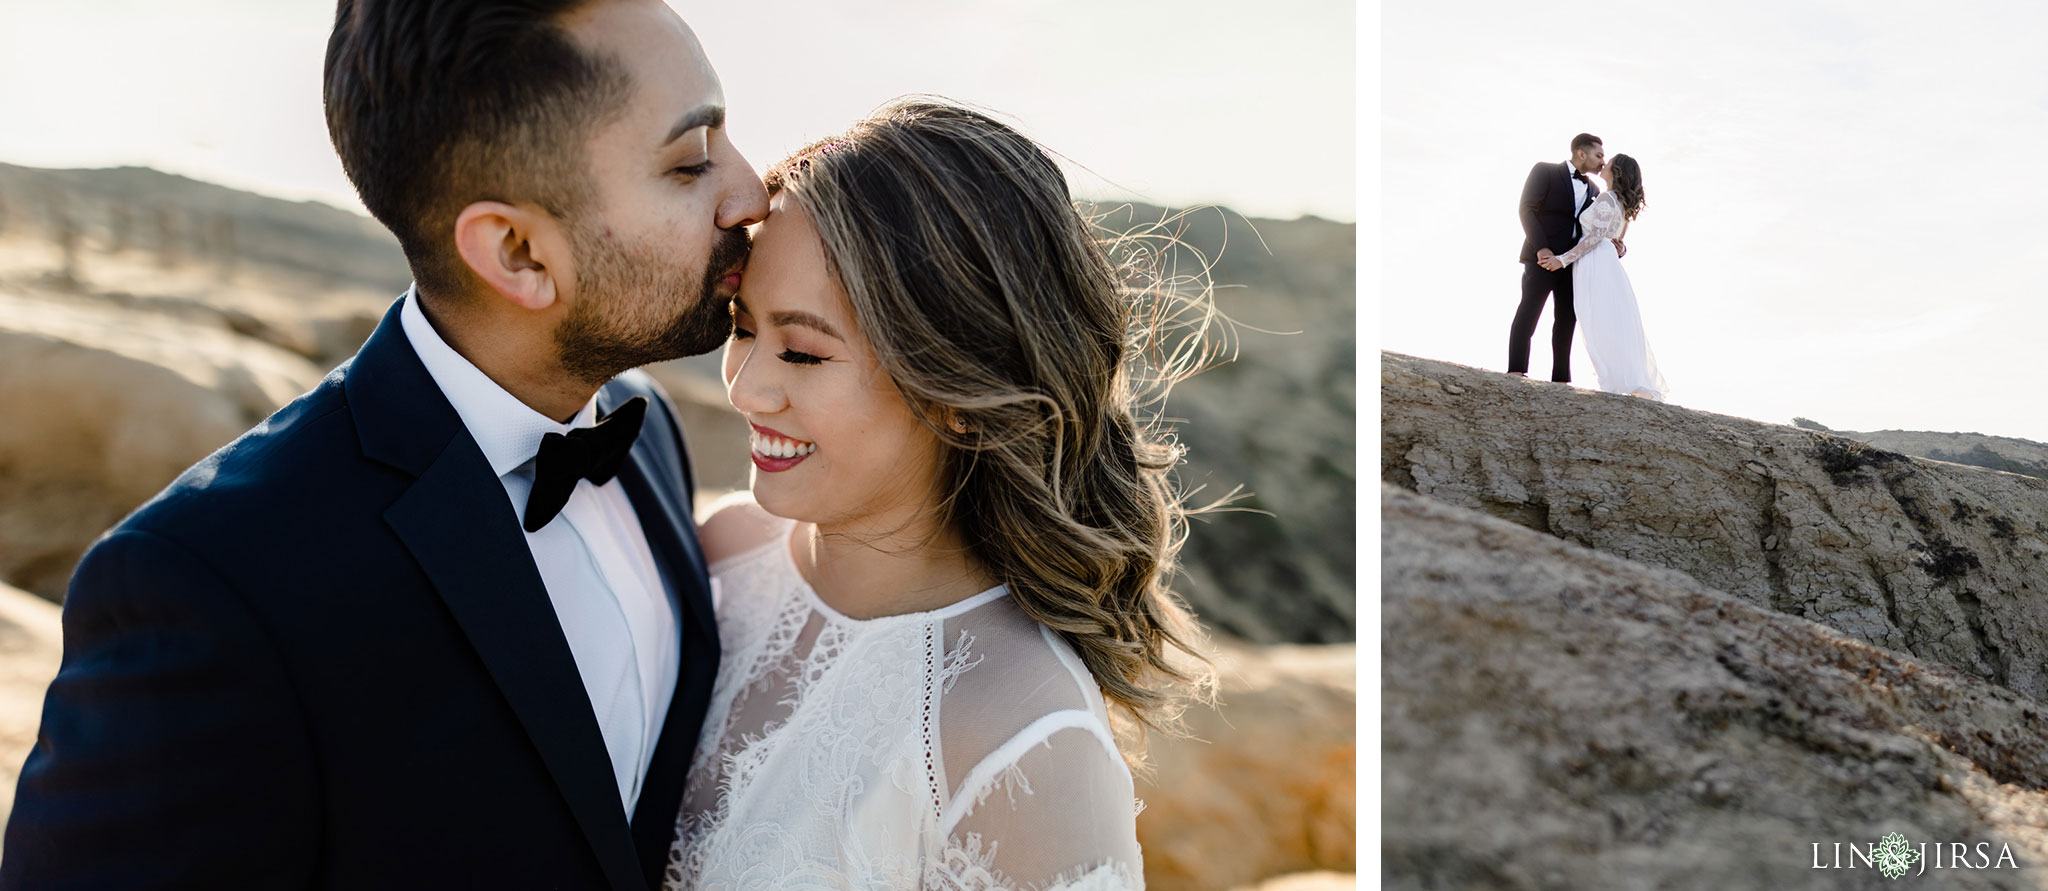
x=746, y=200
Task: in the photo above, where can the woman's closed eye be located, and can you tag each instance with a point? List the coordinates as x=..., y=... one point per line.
x=793, y=357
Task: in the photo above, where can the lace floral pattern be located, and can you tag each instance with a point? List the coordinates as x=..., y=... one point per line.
x=1599, y=222
x=962, y=748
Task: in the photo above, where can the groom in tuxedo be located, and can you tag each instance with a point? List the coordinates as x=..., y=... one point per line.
x=443, y=621
x=1552, y=199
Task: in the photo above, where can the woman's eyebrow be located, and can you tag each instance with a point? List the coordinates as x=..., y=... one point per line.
x=798, y=317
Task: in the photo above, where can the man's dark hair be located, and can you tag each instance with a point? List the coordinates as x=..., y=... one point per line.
x=434, y=105
x=1582, y=140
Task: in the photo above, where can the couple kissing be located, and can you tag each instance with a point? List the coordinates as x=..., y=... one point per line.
x=1572, y=247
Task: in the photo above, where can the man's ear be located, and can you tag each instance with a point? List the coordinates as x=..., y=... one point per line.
x=519, y=251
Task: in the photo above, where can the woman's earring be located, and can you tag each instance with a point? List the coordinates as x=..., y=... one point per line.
x=959, y=425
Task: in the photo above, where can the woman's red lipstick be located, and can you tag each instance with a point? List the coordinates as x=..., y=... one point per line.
x=774, y=451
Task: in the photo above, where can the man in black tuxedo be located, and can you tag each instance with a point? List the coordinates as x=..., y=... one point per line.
x=1552, y=198
x=442, y=621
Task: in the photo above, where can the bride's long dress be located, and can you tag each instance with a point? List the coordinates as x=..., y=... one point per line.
x=964, y=749
x=1611, y=323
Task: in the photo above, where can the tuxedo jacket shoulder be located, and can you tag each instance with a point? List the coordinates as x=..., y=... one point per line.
x=323, y=658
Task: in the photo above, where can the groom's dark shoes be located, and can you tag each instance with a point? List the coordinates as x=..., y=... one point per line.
x=324, y=658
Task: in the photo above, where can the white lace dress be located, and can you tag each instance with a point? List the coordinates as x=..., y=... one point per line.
x=1611, y=323
x=963, y=748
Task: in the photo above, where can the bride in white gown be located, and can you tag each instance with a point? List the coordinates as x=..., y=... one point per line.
x=1605, y=301
x=952, y=572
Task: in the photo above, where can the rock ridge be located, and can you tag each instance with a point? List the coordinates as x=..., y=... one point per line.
x=1944, y=562
x=1558, y=717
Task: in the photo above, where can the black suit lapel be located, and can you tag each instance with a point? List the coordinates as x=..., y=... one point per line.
x=651, y=482
x=459, y=526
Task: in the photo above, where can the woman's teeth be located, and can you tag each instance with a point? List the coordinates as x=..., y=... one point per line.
x=778, y=447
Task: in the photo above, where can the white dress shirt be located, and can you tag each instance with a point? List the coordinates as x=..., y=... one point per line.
x=615, y=609
x=1578, y=187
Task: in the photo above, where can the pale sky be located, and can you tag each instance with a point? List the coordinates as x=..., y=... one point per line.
x=1169, y=101
x=1844, y=216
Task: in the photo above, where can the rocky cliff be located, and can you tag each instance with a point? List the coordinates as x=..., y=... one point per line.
x=1555, y=717
x=1627, y=644
x=1940, y=561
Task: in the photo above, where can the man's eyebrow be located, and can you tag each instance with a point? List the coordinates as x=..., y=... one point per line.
x=807, y=320
x=712, y=116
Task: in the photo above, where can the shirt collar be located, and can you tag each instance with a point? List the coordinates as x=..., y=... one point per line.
x=507, y=430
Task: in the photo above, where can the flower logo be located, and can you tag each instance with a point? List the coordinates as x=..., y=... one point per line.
x=1893, y=855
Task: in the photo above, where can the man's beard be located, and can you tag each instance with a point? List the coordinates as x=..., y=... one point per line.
x=631, y=311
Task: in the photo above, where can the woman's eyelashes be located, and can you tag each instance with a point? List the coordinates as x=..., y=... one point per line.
x=691, y=171
x=793, y=357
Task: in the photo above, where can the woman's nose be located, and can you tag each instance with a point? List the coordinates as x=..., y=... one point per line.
x=751, y=392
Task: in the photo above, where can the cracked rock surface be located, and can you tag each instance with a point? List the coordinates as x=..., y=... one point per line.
x=1558, y=717
x=1944, y=562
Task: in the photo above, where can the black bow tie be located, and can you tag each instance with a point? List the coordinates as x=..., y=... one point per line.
x=1580, y=176
x=592, y=453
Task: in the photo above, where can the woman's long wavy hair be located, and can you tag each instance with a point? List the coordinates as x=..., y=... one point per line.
x=989, y=299
x=1628, y=185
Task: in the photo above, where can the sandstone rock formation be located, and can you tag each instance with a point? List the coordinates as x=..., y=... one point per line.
x=104, y=408
x=1307, y=881
x=1267, y=786
x=174, y=222
x=303, y=276
x=1280, y=420
x=31, y=643
x=1560, y=717
x=1939, y=561
x=2005, y=453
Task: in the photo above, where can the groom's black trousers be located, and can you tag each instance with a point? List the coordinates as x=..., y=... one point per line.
x=1538, y=284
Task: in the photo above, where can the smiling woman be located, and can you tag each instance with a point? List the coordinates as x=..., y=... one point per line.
x=953, y=580
x=803, y=383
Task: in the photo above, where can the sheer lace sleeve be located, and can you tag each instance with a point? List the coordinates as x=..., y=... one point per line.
x=1600, y=222
x=1051, y=810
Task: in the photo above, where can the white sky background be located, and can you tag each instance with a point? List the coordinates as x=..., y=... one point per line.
x=1177, y=101
x=1844, y=216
